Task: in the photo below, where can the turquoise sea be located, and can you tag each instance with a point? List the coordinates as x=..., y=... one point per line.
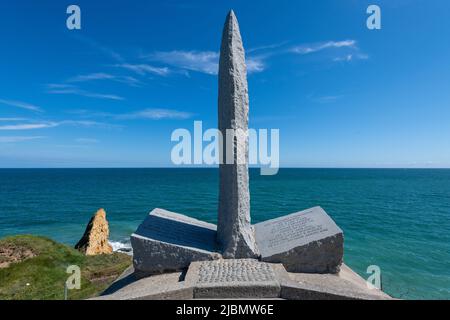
x=396, y=219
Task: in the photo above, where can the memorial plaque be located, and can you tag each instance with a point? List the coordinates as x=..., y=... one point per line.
x=168, y=241
x=307, y=241
x=246, y=278
x=178, y=229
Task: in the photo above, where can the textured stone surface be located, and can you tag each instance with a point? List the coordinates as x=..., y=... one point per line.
x=158, y=287
x=167, y=241
x=95, y=238
x=235, y=233
x=241, y=279
x=307, y=241
x=225, y=279
x=234, y=271
x=302, y=286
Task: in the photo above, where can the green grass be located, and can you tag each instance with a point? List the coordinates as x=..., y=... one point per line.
x=46, y=274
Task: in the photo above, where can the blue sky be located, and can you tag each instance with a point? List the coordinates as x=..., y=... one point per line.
x=111, y=94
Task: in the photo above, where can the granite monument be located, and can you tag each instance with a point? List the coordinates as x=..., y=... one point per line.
x=235, y=233
x=304, y=242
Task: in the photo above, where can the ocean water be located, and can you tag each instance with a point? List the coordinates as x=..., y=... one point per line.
x=396, y=219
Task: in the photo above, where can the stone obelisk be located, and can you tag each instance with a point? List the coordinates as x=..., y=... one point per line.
x=234, y=231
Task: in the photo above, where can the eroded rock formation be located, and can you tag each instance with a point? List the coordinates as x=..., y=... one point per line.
x=95, y=238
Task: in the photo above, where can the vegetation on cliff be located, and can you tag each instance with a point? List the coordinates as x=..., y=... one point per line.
x=34, y=267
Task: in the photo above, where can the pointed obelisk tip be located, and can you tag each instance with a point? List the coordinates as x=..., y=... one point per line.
x=231, y=15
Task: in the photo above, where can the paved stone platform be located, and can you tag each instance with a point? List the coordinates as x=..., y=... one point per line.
x=241, y=279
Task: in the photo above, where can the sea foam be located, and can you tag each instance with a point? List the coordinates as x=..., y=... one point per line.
x=124, y=247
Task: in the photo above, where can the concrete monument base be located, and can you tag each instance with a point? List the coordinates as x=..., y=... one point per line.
x=304, y=242
x=238, y=279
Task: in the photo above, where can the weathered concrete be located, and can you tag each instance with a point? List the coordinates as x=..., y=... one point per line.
x=241, y=279
x=159, y=287
x=308, y=241
x=167, y=241
x=346, y=285
x=235, y=233
x=356, y=280
x=226, y=279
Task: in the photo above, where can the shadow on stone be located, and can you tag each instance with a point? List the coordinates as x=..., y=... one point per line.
x=127, y=278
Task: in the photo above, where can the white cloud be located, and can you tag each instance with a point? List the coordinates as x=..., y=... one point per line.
x=14, y=139
x=105, y=76
x=156, y=114
x=255, y=65
x=350, y=57
x=316, y=47
x=60, y=86
x=12, y=119
x=143, y=69
x=208, y=61
x=52, y=124
x=89, y=123
x=267, y=47
x=345, y=51
x=150, y=114
x=20, y=104
x=29, y=126
x=200, y=61
x=86, y=140
x=71, y=89
x=92, y=76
